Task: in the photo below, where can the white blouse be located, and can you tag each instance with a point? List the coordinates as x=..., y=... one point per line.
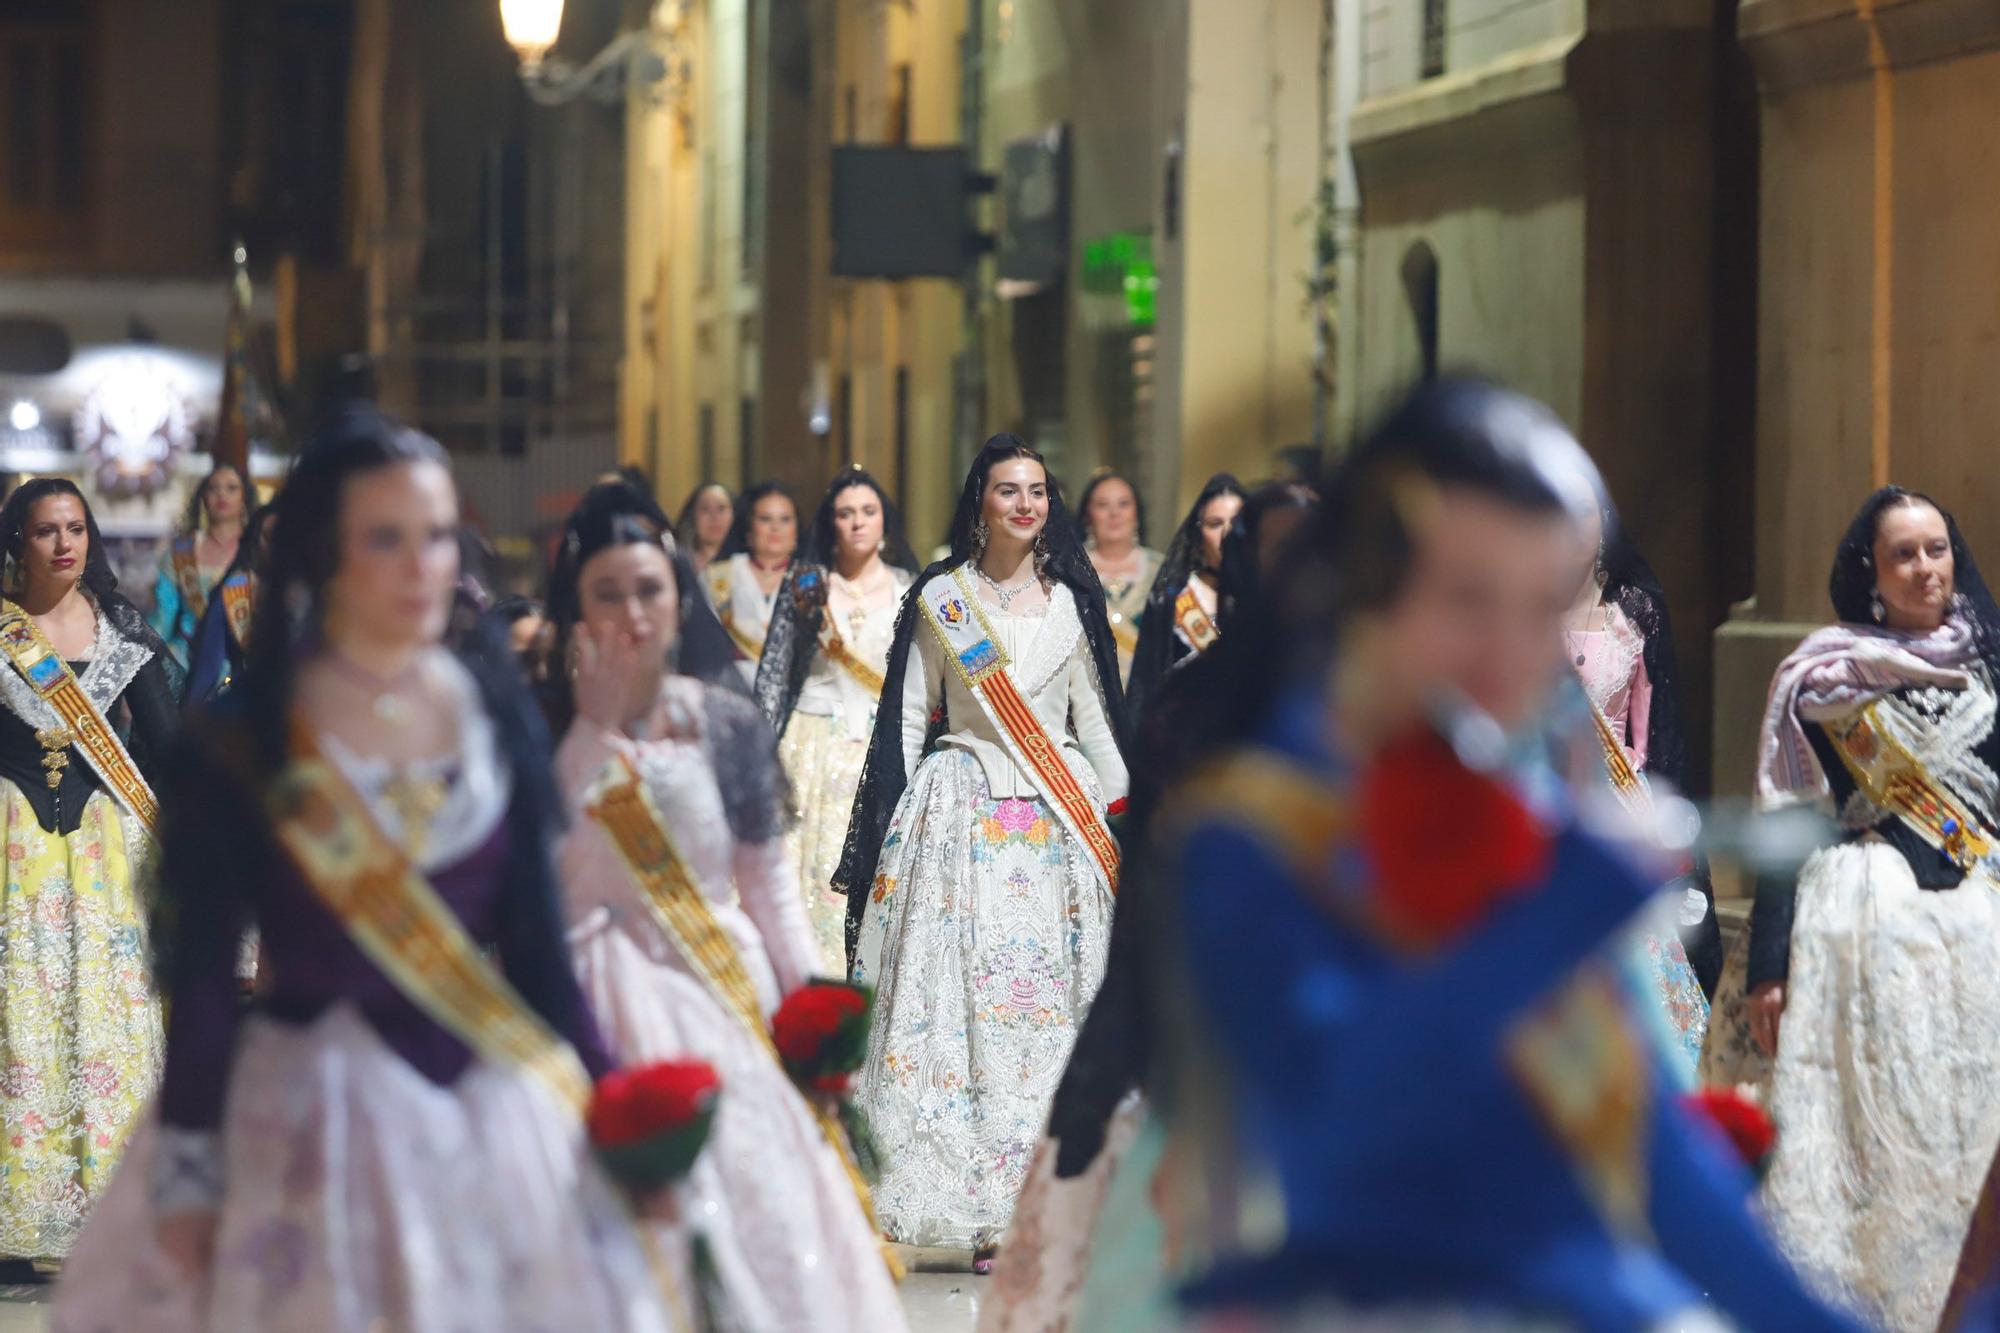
x=1049, y=659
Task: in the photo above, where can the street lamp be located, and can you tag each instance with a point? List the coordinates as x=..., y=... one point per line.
x=532, y=26
x=628, y=62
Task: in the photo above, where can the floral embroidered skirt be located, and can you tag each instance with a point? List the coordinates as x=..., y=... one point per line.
x=80, y=1038
x=825, y=765
x=1678, y=1012
x=793, y=1250
x=985, y=937
x=1886, y=1087
x=358, y=1195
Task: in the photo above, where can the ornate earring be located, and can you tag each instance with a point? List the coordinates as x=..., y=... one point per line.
x=979, y=536
x=1875, y=606
x=1041, y=552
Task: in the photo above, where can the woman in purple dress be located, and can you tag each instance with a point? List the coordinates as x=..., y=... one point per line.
x=387, y=1137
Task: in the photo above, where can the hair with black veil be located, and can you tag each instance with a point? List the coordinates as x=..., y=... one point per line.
x=882, y=778
x=1159, y=647
x=616, y=513
x=1632, y=587
x=791, y=641
x=738, y=541
x=1851, y=584
x=98, y=578
x=1098, y=478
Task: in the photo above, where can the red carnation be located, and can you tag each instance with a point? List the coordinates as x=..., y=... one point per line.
x=649, y=1124
x=1743, y=1122
x=821, y=1031
x=1447, y=844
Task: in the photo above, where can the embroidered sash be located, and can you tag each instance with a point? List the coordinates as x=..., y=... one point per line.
x=953, y=611
x=390, y=910
x=1895, y=779
x=1124, y=634
x=722, y=593
x=239, y=601
x=50, y=677
x=622, y=806
x=187, y=575
x=1195, y=624
x=838, y=653
x=1625, y=781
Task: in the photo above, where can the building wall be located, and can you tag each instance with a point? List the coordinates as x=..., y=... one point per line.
x=1557, y=186
x=1877, y=323
x=153, y=120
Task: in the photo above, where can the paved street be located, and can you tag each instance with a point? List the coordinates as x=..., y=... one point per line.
x=936, y=1303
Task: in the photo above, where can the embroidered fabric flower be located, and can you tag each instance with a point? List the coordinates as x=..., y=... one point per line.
x=1015, y=815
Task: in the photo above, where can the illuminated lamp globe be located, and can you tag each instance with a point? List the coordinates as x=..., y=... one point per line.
x=532, y=26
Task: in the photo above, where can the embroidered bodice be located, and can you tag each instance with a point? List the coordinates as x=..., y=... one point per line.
x=227, y=874
x=140, y=712
x=743, y=607
x=831, y=690
x=751, y=885
x=1051, y=665
x=1612, y=665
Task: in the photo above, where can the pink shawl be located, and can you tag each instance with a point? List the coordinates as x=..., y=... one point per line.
x=1835, y=671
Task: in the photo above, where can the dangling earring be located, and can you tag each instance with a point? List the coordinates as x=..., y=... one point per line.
x=1875, y=605
x=979, y=536
x=1041, y=552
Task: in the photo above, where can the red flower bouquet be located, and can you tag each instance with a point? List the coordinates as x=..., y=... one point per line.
x=649, y=1124
x=1743, y=1122
x=1447, y=844
x=821, y=1031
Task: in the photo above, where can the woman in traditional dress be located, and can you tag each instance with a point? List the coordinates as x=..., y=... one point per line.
x=1618, y=641
x=743, y=583
x=702, y=529
x=1114, y=533
x=218, y=513
x=692, y=960
x=86, y=713
x=390, y=1135
x=221, y=643
x=981, y=865
x=1883, y=957
x=1180, y=618
x=1401, y=1094
x=1085, y=1247
x=821, y=676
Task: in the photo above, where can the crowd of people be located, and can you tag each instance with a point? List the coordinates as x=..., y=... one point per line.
x=1296, y=927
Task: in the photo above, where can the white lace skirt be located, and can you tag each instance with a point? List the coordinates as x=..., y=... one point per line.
x=984, y=936
x=791, y=1244
x=1886, y=1089
x=361, y=1196
x=825, y=764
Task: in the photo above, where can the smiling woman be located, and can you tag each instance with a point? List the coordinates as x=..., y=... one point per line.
x=1874, y=979
x=86, y=710
x=979, y=867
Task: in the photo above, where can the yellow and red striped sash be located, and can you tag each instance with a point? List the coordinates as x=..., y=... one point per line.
x=50, y=677
x=952, y=608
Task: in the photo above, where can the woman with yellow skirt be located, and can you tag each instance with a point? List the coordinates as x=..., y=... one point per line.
x=80, y=1041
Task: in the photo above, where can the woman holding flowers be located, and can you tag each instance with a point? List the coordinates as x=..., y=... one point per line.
x=688, y=927
x=392, y=1134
